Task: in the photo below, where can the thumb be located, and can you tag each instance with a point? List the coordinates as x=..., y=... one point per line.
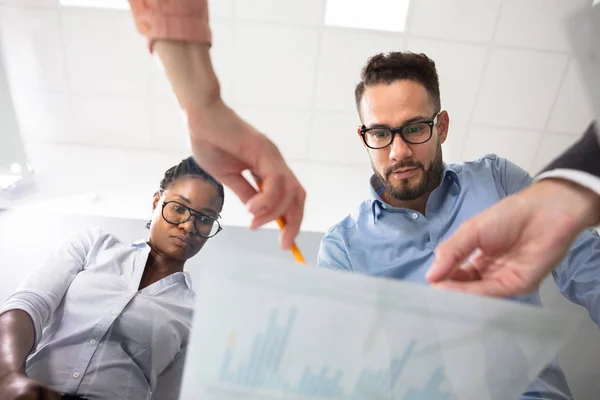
x=240, y=186
x=453, y=252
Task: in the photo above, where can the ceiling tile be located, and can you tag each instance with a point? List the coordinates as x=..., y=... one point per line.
x=113, y=121
x=537, y=24
x=516, y=146
x=31, y=43
x=552, y=145
x=334, y=139
x=342, y=56
x=519, y=88
x=380, y=15
x=44, y=116
x=305, y=12
x=289, y=129
x=455, y=142
x=105, y=54
x=169, y=125
x=274, y=65
x=220, y=9
x=469, y=20
x=460, y=67
x=572, y=112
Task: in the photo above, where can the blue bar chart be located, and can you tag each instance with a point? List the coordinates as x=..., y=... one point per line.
x=261, y=369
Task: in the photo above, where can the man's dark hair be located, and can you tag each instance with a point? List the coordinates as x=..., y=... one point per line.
x=387, y=68
x=188, y=167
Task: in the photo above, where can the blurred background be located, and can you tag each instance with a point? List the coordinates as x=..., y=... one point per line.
x=88, y=124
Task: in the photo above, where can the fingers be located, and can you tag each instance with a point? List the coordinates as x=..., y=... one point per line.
x=271, y=201
x=481, y=288
x=485, y=287
x=240, y=186
x=467, y=273
x=450, y=254
x=280, y=196
x=293, y=217
x=506, y=282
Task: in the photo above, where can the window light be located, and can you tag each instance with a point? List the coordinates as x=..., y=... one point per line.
x=113, y=4
x=381, y=15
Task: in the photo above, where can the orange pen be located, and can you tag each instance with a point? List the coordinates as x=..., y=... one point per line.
x=281, y=222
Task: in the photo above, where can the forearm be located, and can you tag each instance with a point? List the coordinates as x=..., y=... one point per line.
x=189, y=69
x=16, y=340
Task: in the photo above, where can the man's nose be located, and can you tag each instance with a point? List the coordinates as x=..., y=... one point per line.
x=399, y=149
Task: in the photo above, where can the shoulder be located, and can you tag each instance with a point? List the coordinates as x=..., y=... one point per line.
x=484, y=163
x=93, y=240
x=351, y=221
x=489, y=164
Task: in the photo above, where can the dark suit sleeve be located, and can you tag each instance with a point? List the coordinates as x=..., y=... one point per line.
x=583, y=155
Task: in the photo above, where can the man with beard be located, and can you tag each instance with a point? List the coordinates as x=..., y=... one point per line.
x=416, y=201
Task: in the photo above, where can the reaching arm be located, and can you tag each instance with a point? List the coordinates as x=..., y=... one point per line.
x=222, y=143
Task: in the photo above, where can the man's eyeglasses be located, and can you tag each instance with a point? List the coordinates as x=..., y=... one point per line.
x=176, y=213
x=413, y=133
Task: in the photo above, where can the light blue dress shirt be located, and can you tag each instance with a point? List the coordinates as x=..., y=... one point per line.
x=96, y=334
x=381, y=240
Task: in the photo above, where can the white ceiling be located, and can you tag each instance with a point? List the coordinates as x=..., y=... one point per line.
x=98, y=117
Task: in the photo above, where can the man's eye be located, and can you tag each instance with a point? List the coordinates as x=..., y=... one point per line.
x=379, y=134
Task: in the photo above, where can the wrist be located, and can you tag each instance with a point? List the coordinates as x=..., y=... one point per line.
x=578, y=202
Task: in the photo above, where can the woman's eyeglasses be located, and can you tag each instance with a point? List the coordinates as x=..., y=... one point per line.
x=176, y=213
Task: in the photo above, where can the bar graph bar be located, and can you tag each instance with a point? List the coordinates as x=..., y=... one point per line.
x=261, y=370
x=431, y=391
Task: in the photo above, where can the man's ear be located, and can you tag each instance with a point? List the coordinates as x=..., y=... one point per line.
x=443, y=125
x=360, y=137
x=155, y=201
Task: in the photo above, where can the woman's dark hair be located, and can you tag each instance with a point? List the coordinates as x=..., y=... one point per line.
x=388, y=68
x=188, y=167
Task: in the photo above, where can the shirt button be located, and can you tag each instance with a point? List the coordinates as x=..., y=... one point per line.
x=75, y=375
x=93, y=342
x=415, y=216
x=384, y=206
x=114, y=314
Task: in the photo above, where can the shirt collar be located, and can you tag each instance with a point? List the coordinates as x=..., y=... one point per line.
x=143, y=245
x=376, y=189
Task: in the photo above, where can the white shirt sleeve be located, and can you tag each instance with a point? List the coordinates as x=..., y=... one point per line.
x=42, y=291
x=581, y=178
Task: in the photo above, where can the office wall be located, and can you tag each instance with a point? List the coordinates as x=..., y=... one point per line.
x=26, y=239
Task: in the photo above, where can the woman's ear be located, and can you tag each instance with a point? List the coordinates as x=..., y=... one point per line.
x=155, y=201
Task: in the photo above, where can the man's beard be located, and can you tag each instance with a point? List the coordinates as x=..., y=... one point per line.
x=406, y=191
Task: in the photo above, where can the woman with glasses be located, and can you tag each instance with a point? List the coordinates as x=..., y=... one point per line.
x=107, y=320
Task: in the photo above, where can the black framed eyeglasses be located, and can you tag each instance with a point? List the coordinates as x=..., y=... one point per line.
x=413, y=133
x=176, y=213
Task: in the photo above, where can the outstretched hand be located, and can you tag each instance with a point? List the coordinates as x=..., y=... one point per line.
x=508, y=249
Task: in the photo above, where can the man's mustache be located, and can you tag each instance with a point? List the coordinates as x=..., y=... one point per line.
x=403, y=165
